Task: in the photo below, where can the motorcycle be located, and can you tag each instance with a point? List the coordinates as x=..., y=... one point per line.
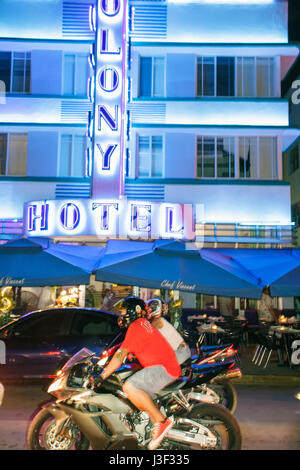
x=209, y=374
x=106, y=420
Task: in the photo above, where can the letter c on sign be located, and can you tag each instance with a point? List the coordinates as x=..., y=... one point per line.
x=110, y=7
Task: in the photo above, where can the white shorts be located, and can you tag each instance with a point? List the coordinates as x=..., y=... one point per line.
x=151, y=379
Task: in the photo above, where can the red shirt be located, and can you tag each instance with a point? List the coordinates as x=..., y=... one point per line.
x=150, y=347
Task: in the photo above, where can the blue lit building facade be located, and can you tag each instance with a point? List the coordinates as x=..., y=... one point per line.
x=202, y=122
x=291, y=157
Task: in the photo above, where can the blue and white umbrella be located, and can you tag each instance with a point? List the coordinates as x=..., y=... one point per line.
x=170, y=265
x=38, y=262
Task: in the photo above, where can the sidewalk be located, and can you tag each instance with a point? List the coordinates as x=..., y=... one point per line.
x=273, y=374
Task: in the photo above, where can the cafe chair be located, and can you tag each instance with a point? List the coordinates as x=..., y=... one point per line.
x=252, y=324
x=266, y=345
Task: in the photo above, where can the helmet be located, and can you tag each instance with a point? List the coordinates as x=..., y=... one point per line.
x=155, y=308
x=130, y=309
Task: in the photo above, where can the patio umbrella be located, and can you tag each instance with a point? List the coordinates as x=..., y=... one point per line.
x=277, y=268
x=173, y=265
x=38, y=262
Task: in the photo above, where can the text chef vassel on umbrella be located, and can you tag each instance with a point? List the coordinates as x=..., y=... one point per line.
x=174, y=265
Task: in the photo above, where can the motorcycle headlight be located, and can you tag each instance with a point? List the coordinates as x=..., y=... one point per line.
x=102, y=361
x=56, y=385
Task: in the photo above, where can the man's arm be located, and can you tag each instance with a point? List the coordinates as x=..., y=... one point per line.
x=115, y=363
x=157, y=323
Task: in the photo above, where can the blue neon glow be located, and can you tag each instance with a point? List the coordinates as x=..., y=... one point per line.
x=69, y=216
x=232, y=2
x=110, y=8
x=111, y=121
x=108, y=79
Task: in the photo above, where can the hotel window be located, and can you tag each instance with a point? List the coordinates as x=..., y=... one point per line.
x=75, y=74
x=150, y=157
x=255, y=77
x=13, y=154
x=72, y=155
x=215, y=76
x=15, y=71
x=152, y=76
x=257, y=157
x=215, y=157
x=236, y=76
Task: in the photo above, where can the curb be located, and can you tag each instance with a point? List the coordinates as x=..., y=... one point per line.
x=267, y=380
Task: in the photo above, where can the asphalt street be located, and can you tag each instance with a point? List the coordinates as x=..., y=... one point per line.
x=269, y=416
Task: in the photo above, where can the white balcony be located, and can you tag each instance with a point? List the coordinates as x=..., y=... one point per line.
x=44, y=110
x=211, y=112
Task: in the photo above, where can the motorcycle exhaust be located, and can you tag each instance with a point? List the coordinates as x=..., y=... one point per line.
x=231, y=374
x=209, y=396
x=202, y=438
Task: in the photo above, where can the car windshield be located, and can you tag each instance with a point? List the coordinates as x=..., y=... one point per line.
x=81, y=355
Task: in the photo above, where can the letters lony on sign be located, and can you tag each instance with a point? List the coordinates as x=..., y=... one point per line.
x=109, y=104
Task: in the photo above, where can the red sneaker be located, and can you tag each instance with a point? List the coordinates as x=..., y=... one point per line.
x=159, y=431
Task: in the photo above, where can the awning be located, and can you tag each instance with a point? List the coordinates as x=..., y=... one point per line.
x=38, y=262
x=277, y=268
x=174, y=265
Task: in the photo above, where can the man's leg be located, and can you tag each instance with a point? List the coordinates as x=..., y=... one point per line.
x=139, y=389
x=143, y=402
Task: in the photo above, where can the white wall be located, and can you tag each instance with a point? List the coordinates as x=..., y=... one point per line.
x=233, y=203
x=219, y=23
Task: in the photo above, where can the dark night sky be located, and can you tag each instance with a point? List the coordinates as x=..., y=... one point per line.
x=294, y=20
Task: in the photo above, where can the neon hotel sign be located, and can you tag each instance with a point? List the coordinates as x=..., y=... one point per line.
x=108, y=213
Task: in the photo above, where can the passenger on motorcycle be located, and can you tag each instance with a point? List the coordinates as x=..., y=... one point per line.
x=156, y=356
x=155, y=310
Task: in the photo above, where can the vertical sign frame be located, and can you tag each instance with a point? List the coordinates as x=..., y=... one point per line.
x=109, y=101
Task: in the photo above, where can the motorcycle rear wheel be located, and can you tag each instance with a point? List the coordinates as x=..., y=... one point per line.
x=40, y=435
x=220, y=422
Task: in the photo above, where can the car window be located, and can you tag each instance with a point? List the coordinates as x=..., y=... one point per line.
x=40, y=325
x=88, y=323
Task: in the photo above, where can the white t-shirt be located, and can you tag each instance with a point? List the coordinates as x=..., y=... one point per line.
x=171, y=334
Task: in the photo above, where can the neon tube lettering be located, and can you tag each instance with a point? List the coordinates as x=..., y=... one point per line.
x=33, y=217
x=110, y=121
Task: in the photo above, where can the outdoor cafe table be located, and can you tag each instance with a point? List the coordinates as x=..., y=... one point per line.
x=286, y=336
x=209, y=333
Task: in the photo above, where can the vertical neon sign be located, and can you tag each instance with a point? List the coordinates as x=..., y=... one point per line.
x=109, y=102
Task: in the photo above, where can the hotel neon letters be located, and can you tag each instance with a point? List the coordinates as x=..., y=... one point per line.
x=114, y=219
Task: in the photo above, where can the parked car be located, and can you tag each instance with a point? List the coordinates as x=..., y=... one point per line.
x=39, y=343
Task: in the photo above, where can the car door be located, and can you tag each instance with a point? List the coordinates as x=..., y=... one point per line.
x=93, y=329
x=35, y=344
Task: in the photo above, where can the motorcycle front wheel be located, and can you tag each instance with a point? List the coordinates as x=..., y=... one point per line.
x=41, y=435
x=220, y=422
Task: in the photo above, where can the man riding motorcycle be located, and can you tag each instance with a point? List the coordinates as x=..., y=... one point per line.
x=156, y=356
x=155, y=309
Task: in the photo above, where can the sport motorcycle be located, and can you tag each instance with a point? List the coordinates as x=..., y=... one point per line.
x=207, y=374
x=80, y=418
